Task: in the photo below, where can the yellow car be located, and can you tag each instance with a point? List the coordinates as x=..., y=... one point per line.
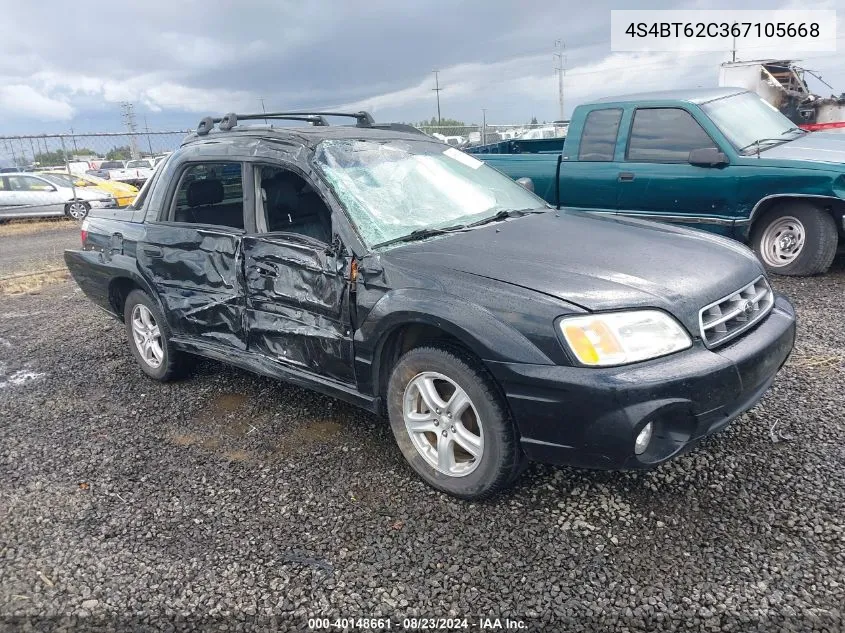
x=122, y=192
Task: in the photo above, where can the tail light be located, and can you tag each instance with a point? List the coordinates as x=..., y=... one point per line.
x=83, y=232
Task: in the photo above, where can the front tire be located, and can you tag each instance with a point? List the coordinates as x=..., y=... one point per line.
x=77, y=210
x=150, y=338
x=795, y=238
x=451, y=423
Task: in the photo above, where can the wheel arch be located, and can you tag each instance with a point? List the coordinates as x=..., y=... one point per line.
x=397, y=323
x=121, y=285
x=829, y=204
x=405, y=336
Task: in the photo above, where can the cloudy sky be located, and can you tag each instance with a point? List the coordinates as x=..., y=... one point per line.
x=69, y=65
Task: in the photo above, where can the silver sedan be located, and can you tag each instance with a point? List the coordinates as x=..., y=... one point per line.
x=25, y=195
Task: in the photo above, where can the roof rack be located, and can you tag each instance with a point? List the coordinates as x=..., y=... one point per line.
x=227, y=122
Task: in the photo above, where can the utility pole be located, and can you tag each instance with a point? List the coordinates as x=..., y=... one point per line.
x=437, y=90
x=32, y=148
x=484, y=126
x=263, y=109
x=733, y=51
x=560, y=68
x=75, y=149
x=149, y=141
x=128, y=112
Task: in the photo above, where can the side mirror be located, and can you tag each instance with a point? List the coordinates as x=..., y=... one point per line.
x=707, y=157
x=527, y=183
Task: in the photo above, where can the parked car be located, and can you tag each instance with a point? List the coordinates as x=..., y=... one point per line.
x=41, y=195
x=719, y=159
x=404, y=276
x=122, y=192
x=105, y=168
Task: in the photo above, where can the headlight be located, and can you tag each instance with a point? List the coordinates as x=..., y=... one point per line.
x=618, y=338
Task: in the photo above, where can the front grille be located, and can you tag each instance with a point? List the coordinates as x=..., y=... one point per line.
x=729, y=317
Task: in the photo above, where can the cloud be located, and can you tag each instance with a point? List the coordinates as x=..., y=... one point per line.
x=18, y=100
x=177, y=59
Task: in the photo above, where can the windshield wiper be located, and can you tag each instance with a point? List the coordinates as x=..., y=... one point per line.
x=756, y=144
x=505, y=214
x=421, y=234
x=795, y=129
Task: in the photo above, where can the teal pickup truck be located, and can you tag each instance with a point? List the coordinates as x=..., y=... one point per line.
x=718, y=159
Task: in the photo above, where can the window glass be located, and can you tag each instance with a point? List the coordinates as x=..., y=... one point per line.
x=112, y=164
x=391, y=188
x=291, y=205
x=598, y=141
x=665, y=135
x=211, y=193
x=745, y=118
x=60, y=180
x=28, y=183
x=3, y=184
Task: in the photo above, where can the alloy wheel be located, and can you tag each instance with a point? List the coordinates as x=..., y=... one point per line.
x=77, y=210
x=443, y=424
x=147, y=336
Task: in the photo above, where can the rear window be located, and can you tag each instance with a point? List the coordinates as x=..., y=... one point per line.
x=598, y=141
x=111, y=164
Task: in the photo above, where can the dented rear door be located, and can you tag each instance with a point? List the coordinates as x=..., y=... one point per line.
x=195, y=269
x=297, y=304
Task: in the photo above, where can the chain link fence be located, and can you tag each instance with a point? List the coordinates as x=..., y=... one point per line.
x=68, y=174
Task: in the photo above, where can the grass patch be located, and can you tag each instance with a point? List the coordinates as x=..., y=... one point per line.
x=32, y=282
x=24, y=227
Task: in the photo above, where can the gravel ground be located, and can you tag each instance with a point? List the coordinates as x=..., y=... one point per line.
x=233, y=502
x=27, y=247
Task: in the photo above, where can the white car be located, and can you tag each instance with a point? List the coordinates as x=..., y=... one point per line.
x=42, y=195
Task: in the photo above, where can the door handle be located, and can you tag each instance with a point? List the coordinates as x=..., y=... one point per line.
x=626, y=176
x=266, y=270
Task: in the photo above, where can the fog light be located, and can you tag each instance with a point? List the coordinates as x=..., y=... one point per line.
x=641, y=443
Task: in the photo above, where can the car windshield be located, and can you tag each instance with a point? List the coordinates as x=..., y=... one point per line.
x=745, y=118
x=112, y=164
x=395, y=187
x=58, y=179
x=138, y=163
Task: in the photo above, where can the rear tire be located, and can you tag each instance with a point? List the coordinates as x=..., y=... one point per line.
x=795, y=238
x=150, y=338
x=451, y=423
x=77, y=210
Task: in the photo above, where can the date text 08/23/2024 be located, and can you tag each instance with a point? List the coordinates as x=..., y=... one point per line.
x=417, y=624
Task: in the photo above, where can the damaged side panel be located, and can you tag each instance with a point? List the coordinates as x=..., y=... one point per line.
x=195, y=270
x=296, y=307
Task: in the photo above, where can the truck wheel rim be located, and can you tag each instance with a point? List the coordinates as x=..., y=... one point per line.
x=782, y=242
x=147, y=336
x=443, y=424
x=77, y=210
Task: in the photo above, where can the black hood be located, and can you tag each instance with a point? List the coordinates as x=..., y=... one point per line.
x=597, y=263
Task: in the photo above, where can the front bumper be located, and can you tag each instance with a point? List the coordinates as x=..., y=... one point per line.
x=589, y=417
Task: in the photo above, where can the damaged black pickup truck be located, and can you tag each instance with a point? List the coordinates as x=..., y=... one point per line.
x=374, y=264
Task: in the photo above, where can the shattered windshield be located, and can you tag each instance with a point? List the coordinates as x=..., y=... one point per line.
x=395, y=187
